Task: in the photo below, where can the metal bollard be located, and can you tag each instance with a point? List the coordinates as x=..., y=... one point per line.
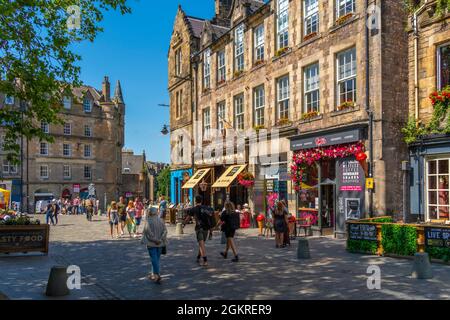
x=179, y=230
x=422, y=267
x=303, y=249
x=57, y=282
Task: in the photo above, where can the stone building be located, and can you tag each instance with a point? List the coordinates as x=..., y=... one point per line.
x=310, y=72
x=135, y=178
x=429, y=71
x=154, y=169
x=86, y=148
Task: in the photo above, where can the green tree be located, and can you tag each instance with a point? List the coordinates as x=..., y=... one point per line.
x=37, y=64
x=164, y=182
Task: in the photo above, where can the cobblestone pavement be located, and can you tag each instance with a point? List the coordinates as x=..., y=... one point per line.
x=117, y=269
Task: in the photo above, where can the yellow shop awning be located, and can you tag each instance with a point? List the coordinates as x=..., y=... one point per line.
x=196, y=178
x=229, y=176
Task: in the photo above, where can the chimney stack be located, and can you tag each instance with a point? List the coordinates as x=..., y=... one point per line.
x=106, y=89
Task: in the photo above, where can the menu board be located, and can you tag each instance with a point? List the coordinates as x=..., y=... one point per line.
x=437, y=237
x=363, y=232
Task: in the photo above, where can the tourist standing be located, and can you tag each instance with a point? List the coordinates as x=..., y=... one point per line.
x=121, y=207
x=203, y=223
x=280, y=224
x=155, y=238
x=139, y=205
x=163, y=208
x=113, y=218
x=49, y=214
x=89, y=209
x=131, y=222
x=230, y=223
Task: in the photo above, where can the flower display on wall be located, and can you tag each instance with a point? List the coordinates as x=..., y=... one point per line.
x=246, y=179
x=306, y=158
x=271, y=199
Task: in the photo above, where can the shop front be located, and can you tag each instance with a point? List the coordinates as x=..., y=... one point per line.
x=328, y=173
x=178, y=179
x=199, y=184
x=227, y=187
x=429, y=179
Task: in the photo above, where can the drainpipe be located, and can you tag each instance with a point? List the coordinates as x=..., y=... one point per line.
x=368, y=109
x=415, y=26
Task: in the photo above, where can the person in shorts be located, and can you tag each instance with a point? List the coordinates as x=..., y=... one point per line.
x=139, y=206
x=201, y=228
x=113, y=218
x=230, y=223
x=122, y=210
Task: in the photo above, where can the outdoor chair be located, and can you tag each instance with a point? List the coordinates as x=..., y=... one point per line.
x=304, y=223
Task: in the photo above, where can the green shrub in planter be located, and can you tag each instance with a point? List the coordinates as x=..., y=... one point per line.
x=399, y=239
x=439, y=253
x=362, y=246
x=383, y=220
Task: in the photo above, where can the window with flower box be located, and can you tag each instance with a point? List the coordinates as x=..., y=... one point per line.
x=258, y=35
x=438, y=188
x=443, y=66
x=312, y=85
x=258, y=106
x=282, y=24
x=345, y=7
x=311, y=17
x=283, y=98
x=239, y=112
x=239, y=63
x=346, y=77
x=221, y=67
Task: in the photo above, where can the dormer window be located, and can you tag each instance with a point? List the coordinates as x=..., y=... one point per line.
x=87, y=105
x=67, y=102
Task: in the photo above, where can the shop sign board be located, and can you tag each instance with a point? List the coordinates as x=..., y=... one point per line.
x=351, y=183
x=437, y=237
x=24, y=239
x=362, y=232
x=76, y=188
x=343, y=137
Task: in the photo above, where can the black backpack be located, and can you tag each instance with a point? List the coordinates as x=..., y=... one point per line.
x=235, y=220
x=206, y=217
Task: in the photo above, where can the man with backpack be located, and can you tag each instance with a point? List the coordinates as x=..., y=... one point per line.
x=203, y=216
x=231, y=222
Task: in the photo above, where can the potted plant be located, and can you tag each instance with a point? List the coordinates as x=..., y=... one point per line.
x=258, y=62
x=310, y=115
x=309, y=36
x=284, y=122
x=343, y=19
x=238, y=73
x=246, y=179
x=281, y=51
x=346, y=105
x=258, y=128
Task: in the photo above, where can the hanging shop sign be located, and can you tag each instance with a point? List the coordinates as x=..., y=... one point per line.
x=351, y=182
x=229, y=176
x=342, y=137
x=196, y=178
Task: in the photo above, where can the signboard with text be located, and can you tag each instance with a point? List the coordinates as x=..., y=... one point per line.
x=76, y=188
x=24, y=239
x=437, y=237
x=363, y=232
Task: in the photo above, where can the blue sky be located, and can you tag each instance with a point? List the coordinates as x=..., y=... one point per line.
x=133, y=48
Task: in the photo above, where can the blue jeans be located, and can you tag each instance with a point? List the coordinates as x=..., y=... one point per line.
x=155, y=257
x=49, y=216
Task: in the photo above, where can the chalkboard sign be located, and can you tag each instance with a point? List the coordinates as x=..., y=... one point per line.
x=437, y=237
x=363, y=232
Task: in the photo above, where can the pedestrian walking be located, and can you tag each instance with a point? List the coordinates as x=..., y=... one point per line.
x=280, y=224
x=56, y=211
x=163, y=208
x=131, y=222
x=139, y=205
x=49, y=214
x=89, y=205
x=286, y=235
x=203, y=217
x=269, y=224
x=121, y=207
x=113, y=218
x=155, y=238
x=230, y=223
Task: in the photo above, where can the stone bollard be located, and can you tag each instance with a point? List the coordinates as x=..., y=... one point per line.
x=223, y=240
x=422, y=267
x=303, y=249
x=179, y=231
x=57, y=282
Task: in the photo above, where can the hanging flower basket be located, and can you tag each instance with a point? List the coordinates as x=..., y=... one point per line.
x=306, y=158
x=246, y=179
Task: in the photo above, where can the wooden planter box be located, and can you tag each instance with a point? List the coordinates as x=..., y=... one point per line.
x=24, y=239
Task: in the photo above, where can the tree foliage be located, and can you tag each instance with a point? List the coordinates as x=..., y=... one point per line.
x=164, y=182
x=37, y=64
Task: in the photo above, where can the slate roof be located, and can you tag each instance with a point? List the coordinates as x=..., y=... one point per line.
x=196, y=25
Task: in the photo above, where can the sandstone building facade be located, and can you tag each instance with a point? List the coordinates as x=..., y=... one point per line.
x=86, y=149
x=298, y=67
